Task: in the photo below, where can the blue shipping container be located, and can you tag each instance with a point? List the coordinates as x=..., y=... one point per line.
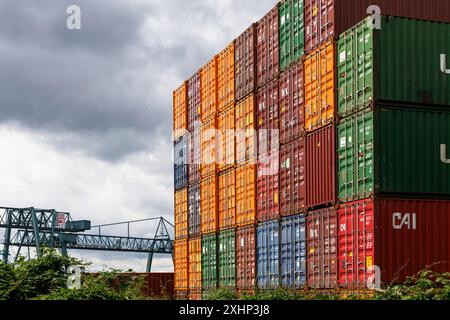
x=267, y=248
x=181, y=162
x=293, y=252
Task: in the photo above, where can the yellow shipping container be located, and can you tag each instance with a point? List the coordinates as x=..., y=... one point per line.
x=181, y=214
x=208, y=205
x=320, y=87
x=245, y=195
x=180, y=111
x=208, y=90
x=245, y=131
x=226, y=78
x=181, y=265
x=227, y=199
x=195, y=264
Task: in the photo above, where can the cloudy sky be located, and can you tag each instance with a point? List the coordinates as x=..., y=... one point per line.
x=85, y=115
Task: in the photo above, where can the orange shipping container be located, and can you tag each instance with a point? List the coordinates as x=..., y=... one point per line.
x=181, y=265
x=181, y=214
x=245, y=131
x=245, y=195
x=208, y=90
x=225, y=142
x=226, y=78
x=227, y=199
x=180, y=111
x=195, y=264
x=209, y=149
x=319, y=87
x=208, y=204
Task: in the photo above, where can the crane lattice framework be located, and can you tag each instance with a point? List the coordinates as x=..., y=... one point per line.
x=37, y=228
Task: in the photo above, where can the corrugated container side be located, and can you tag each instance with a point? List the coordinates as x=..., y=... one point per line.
x=268, y=127
x=227, y=199
x=267, y=187
x=245, y=258
x=209, y=262
x=319, y=69
x=245, y=63
x=245, y=195
x=181, y=214
x=181, y=157
x=194, y=211
x=209, y=146
x=226, y=144
x=321, y=167
x=180, y=118
x=293, y=252
x=208, y=205
x=267, y=47
x=291, y=32
x=326, y=19
x=195, y=264
x=268, y=255
x=246, y=137
x=355, y=156
x=400, y=236
x=227, y=259
x=292, y=117
x=193, y=101
x=412, y=151
x=158, y=284
x=322, y=242
x=293, y=178
x=181, y=265
x=225, y=61
x=195, y=155
x=208, y=91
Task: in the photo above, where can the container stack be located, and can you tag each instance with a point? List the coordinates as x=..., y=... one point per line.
x=314, y=151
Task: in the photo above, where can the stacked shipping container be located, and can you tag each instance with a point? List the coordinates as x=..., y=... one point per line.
x=330, y=154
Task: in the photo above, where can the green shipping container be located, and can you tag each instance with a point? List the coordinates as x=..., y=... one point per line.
x=401, y=62
x=227, y=259
x=209, y=262
x=291, y=31
x=394, y=150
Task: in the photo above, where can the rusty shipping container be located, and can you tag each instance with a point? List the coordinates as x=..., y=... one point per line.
x=194, y=210
x=208, y=91
x=245, y=258
x=227, y=199
x=245, y=195
x=293, y=178
x=326, y=19
x=225, y=78
x=194, y=109
x=292, y=103
x=321, y=167
x=245, y=63
x=181, y=265
x=208, y=165
x=246, y=137
x=181, y=214
x=399, y=236
x=267, y=47
x=320, y=87
x=226, y=144
x=195, y=264
x=158, y=284
x=209, y=205
x=180, y=118
x=322, y=249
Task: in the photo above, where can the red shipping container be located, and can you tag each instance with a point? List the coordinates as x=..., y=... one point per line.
x=322, y=259
x=293, y=178
x=325, y=19
x=400, y=236
x=267, y=188
x=267, y=48
x=245, y=63
x=291, y=104
x=320, y=167
x=267, y=118
x=193, y=101
x=245, y=258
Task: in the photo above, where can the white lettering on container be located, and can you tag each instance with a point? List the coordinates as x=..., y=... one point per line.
x=399, y=221
x=444, y=154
